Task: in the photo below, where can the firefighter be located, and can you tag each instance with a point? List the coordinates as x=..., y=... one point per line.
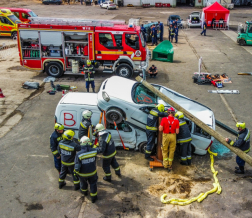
x=85, y=168
x=161, y=31
x=143, y=30
x=184, y=139
x=107, y=148
x=67, y=149
x=154, y=35
x=89, y=76
x=151, y=128
x=85, y=123
x=54, y=143
x=171, y=33
x=242, y=142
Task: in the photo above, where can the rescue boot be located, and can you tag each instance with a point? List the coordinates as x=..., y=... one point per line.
x=87, y=89
x=93, y=90
x=107, y=178
x=61, y=185
x=84, y=192
x=189, y=162
x=149, y=158
x=240, y=171
x=237, y=168
x=93, y=199
x=77, y=187
x=118, y=174
x=184, y=162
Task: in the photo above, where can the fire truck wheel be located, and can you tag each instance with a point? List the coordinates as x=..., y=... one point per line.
x=114, y=114
x=54, y=69
x=124, y=70
x=142, y=147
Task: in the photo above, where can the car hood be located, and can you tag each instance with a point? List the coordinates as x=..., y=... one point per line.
x=200, y=111
x=119, y=87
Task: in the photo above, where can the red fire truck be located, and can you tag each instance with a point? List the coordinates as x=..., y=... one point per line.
x=62, y=46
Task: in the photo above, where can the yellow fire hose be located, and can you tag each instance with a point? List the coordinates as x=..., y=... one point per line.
x=201, y=196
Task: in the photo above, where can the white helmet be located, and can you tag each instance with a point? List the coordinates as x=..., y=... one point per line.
x=84, y=141
x=99, y=127
x=87, y=114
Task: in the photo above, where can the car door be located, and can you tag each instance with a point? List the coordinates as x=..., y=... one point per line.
x=127, y=133
x=5, y=26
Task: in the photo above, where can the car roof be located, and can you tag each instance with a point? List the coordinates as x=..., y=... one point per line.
x=17, y=9
x=80, y=98
x=119, y=87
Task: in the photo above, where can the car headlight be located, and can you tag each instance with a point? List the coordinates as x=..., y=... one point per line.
x=105, y=96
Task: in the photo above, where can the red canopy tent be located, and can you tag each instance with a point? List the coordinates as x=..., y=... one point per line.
x=216, y=11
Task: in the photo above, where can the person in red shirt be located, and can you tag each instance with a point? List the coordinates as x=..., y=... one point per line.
x=170, y=127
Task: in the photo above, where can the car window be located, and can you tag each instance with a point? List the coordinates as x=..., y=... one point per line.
x=118, y=39
x=250, y=29
x=24, y=15
x=106, y=40
x=32, y=14
x=5, y=20
x=130, y=40
x=14, y=19
x=142, y=95
x=16, y=14
x=200, y=132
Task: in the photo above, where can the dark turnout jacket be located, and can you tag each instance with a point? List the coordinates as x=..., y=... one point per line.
x=84, y=126
x=106, y=144
x=184, y=132
x=242, y=141
x=67, y=149
x=152, y=119
x=55, y=138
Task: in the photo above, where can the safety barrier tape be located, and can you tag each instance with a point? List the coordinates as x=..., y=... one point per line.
x=201, y=196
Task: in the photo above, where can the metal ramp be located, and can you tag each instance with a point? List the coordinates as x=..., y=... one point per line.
x=74, y=22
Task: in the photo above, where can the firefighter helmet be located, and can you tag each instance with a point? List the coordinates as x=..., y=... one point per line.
x=241, y=125
x=160, y=107
x=99, y=127
x=68, y=135
x=87, y=114
x=84, y=141
x=171, y=109
x=179, y=115
x=59, y=126
x=89, y=62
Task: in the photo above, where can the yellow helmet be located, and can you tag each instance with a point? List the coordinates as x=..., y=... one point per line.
x=179, y=115
x=99, y=127
x=160, y=107
x=89, y=62
x=68, y=135
x=241, y=125
x=59, y=126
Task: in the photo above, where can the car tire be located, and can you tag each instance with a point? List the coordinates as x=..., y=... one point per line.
x=14, y=35
x=124, y=70
x=242, y=42
x=114, y=115
x=54, y=69
x=142, y=147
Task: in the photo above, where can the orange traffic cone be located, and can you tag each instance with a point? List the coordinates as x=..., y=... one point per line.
x=1, y=94
x=63, y=93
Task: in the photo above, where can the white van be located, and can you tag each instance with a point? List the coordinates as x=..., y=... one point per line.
x=69, y=113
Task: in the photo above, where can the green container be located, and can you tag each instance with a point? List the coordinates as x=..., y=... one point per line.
x=65, y=87
x=163, y=52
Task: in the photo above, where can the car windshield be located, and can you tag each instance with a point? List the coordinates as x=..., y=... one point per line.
x=14, y=19
x=142, y=95
x=174, y=17
x=32, y=14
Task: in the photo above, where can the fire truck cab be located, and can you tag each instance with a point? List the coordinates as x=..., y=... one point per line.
x=62, y=46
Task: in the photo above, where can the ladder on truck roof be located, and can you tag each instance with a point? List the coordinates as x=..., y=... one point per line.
x=75, y=22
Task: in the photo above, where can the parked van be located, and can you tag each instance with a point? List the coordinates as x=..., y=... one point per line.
x=22, y=13
x=69, y=112
x=8, y=23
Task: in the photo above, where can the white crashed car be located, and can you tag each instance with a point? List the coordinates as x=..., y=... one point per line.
x=108, y=5
x=128, y=103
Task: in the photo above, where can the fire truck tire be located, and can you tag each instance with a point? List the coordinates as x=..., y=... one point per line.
x=124, y=70
x=14, y=35
x=242, y=42
x=114, y=114
x=54, y=69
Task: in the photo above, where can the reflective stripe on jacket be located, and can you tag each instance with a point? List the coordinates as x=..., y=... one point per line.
x=152, y=119
x=184, y=132
x=107, y=145
x=242, y=141
x=85, y=161
x=89, y=76
x=68, y=149
x=54, y=143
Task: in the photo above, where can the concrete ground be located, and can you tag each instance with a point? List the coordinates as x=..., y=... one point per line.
x=29, y=182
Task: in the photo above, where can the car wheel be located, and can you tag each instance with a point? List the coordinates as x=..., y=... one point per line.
x=124, y=70
x=54, y=69
x=14, y=35
x=142, y=147
x=242, y=42
x=114, y=115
